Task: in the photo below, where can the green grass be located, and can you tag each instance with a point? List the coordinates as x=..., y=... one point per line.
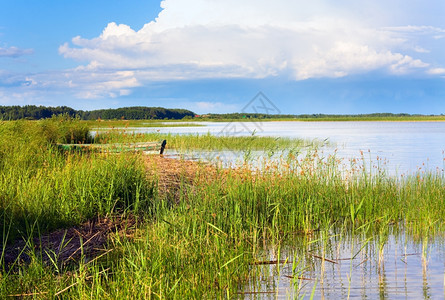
x=376, y=119
x=328, y=118
x=39, y=183
x=207, y=141
x=203, y=246
x=108, y=124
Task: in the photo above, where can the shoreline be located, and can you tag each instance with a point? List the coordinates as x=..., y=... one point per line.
x=196, y=122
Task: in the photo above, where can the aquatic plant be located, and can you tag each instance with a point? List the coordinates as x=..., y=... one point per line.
x=204, y=234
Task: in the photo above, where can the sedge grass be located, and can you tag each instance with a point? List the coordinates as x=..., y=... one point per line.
x=333, y=118
x=202, y=247
x=207, y=141
x=122, y=124
x=38, y=183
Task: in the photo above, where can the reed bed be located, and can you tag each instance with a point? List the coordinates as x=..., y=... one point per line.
x=202, y=229
x=108, y=124
x=43, y=189
x=207, y=141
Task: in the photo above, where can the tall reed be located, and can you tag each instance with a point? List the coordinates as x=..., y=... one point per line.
x=204, y=141
x=39, y=183
x=206, y=244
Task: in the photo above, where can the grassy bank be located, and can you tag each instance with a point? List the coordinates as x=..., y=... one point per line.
x=106, y=124
x=200, y=237
x=42, y=188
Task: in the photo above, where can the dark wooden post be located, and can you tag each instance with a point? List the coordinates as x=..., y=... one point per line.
x=164, y=142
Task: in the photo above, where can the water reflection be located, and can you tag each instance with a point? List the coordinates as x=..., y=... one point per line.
x=341, y=266
x=257, y=160
x=335, y=264
x=405, y=146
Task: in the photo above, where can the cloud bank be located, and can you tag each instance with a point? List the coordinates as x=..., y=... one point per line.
x=252, y=39
x=295, y=40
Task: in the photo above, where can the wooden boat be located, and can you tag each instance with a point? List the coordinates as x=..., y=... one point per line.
x=116, y=148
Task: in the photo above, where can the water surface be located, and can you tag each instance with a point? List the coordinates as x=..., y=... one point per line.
x=356, y=266
x=405, y=147
x=351, y=266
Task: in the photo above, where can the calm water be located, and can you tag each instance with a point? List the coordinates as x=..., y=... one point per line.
x=355, y=268
x=405, y=146
x=402, y=269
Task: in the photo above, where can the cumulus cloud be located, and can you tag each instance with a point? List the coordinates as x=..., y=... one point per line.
x=436, y=71
x=247, y=39
x=89, y=84
x=81, y=82
x=14, y=52
x=213, y=107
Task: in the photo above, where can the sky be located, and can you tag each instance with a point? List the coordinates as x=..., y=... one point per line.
x=306, y=57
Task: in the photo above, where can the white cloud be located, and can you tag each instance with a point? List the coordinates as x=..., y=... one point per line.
x=405, y=64
x=81, y=82
x=205, y=38
x=14, y=52
x=419, y=49
x=241, y=39
x=91, y=84
x=204, y=106
x=436, y=71
x=17, y=97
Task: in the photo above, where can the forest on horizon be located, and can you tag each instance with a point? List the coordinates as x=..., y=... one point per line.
x=32, y=112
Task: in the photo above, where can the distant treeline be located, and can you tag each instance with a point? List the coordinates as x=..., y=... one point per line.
x=138, y=113
x=33, y=112
x=305, y=116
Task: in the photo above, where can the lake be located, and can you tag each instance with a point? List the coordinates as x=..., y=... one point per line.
x=354, y=267
x=341, y=265
x=404, y=147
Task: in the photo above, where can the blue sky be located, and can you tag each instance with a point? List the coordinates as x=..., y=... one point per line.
x=320, y=56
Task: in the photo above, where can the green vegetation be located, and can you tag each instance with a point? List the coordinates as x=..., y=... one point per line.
x=201, y=239
x=320, y=117
x=33, y=112
x=123, y=124
x=137, y=113
x=41, y=185
x=206, y=141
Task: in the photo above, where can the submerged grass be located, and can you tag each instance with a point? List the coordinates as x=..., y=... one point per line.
x=200, y=242
x=107, y=124
x=207, y=141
